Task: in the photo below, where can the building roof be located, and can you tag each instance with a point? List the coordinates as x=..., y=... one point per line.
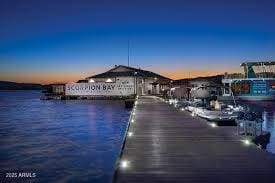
x=124, y=71
x=212, y=79
x=260, y=63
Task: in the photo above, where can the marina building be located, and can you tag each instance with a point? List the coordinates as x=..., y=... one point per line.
x=120, y=81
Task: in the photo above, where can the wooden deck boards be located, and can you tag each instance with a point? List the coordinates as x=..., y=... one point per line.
x=169, y=145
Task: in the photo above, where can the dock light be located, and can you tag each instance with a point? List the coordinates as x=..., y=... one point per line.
x=134, y=113
x=132, y=121
x=124, y=164
x=247, y=142
x=182, y=109
x=130, y=134
x=193, y=114
x=213, y=125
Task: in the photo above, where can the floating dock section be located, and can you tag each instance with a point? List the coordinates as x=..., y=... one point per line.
x=167, y=145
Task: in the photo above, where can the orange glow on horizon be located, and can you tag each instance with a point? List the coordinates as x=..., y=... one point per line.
x=42, y=78
x=66, y=77
x=176, y=76
x=193, y=72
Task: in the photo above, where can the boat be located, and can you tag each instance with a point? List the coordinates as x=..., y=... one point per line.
x=192, y=106
x=254, y=86
x=217, y=115
x=206, y=105
x=217, y=112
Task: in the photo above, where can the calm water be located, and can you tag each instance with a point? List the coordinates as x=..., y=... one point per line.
x=60, y=141
x=67, y=141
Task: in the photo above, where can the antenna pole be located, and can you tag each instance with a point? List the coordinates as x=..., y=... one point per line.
x=128, y=52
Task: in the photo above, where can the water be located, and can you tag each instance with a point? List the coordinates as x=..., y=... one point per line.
x=65, y=141
x=71, y=141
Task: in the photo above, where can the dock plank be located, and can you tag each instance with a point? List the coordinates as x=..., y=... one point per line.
x=169, y=145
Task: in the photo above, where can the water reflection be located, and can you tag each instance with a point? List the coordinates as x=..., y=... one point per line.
x=60, y=140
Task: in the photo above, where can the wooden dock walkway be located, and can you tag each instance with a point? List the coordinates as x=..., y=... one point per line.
x=168, y=145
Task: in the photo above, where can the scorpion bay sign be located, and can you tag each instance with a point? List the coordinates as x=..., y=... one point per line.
x=122, y=87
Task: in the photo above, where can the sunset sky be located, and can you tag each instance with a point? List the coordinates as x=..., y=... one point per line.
x=46, y=41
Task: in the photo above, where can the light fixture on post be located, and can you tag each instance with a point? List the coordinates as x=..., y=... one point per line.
x=135, y=74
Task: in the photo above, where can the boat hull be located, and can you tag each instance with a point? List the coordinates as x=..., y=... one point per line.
x=216, y=116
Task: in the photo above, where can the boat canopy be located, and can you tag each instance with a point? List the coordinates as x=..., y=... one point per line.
x=249, y=71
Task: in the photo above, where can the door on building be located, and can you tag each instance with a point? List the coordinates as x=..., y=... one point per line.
x=154, y=89
x=139, y=91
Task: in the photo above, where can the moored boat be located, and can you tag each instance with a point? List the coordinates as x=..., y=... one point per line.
x=217, y=112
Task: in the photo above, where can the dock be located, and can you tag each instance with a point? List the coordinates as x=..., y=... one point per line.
x=165, y=144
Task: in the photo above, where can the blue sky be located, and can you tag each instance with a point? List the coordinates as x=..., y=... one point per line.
x=66, y=40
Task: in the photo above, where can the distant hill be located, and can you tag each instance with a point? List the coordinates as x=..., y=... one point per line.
x=213, y=79
x=6, y=85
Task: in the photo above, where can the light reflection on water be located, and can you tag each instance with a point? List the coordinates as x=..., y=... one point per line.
x=60, y=140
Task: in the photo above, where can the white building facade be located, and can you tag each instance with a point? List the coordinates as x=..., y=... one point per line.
x=120, y=81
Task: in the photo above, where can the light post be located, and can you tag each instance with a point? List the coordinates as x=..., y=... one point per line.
x=170, y=92
x=135, y=91
x=155, y=86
